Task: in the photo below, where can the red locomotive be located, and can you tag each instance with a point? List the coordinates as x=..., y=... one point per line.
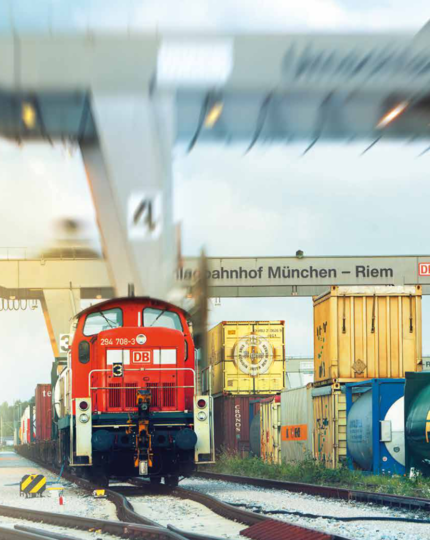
x=126, y=403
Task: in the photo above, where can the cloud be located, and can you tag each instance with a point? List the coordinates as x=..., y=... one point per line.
x=274, y=202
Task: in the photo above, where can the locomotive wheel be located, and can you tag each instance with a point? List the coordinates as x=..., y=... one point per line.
x=171, y=481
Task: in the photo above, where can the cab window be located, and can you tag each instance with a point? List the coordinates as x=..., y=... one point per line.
x=102, y=320
x=161, y=318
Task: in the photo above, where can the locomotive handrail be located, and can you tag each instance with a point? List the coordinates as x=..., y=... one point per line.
x=130, y=387
x=105, y=370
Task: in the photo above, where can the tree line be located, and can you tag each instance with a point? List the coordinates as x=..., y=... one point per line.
x=10, y=414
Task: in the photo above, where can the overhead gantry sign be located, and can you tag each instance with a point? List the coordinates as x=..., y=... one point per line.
x=304, y=276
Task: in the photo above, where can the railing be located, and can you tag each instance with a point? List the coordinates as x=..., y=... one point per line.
x=123, y=397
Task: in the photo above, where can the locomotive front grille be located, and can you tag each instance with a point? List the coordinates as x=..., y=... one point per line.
x=163, y=396
x=130, y=395
x=155, y=395
x=169, y=395
x=120, y=398
x=114, y=395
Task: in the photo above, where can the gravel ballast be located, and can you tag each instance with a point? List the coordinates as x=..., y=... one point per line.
x=186, y=515
x=269, y=499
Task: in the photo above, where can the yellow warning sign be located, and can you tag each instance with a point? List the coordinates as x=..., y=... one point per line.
x=32, y=485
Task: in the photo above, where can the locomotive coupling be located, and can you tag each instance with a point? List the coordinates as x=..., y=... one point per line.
x=143, y=443
x=143, y=402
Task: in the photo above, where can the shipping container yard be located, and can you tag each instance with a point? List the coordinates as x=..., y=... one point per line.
x=345, y=417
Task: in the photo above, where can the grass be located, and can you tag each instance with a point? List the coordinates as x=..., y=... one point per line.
x=313, y=472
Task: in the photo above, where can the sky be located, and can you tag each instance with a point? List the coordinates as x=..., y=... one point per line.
x=269, y=202
x=215, y=15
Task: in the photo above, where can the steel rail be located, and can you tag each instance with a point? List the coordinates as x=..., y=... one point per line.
x=116, y=528
x=332, y=492
x=219, y=507
x=134, y=524
x=12, y=534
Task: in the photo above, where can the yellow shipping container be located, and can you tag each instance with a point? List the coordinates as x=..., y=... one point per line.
x=270, y=429
x=329, y=426
x=245, y=358
x=367, y=332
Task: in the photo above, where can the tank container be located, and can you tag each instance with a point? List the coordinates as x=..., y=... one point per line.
x=417, y=422
x=296, y=424
x=375, y=427
x=329, y=425
x=367, y=332
x=245, y=358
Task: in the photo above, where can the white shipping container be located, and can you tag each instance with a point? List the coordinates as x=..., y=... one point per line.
x=296, y=424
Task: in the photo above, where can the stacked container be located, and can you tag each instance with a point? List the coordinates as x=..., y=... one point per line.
x=360, y=333
x=27, y=434
x=296, y=424
x=43, y=412
x=270, y=429
x=329, y=427
x=245, y=362
x=232, y=424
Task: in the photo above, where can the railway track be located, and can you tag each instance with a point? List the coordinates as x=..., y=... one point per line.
x=382, y=499
x=134, y=525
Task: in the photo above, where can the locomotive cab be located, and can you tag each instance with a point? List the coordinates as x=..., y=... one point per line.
x=128, y=397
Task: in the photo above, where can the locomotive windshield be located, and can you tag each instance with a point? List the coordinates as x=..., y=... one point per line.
x=161, y=318
x=102, y=320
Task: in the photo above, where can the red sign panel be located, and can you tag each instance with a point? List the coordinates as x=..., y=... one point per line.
x=294, y=433
x=141, y=357
x=424, y=269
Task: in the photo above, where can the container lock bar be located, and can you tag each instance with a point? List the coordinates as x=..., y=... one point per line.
x=344, y=317
x=372, y=328
x=411, y=323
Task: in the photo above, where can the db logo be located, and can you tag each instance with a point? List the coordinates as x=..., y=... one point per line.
x=424, y=269
x=141, y=357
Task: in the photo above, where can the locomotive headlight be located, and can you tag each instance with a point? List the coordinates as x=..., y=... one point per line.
x=201, y=415
x=84, y=418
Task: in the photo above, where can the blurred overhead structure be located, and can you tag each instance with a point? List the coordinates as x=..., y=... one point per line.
x=127, y=99
x=234, y=87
